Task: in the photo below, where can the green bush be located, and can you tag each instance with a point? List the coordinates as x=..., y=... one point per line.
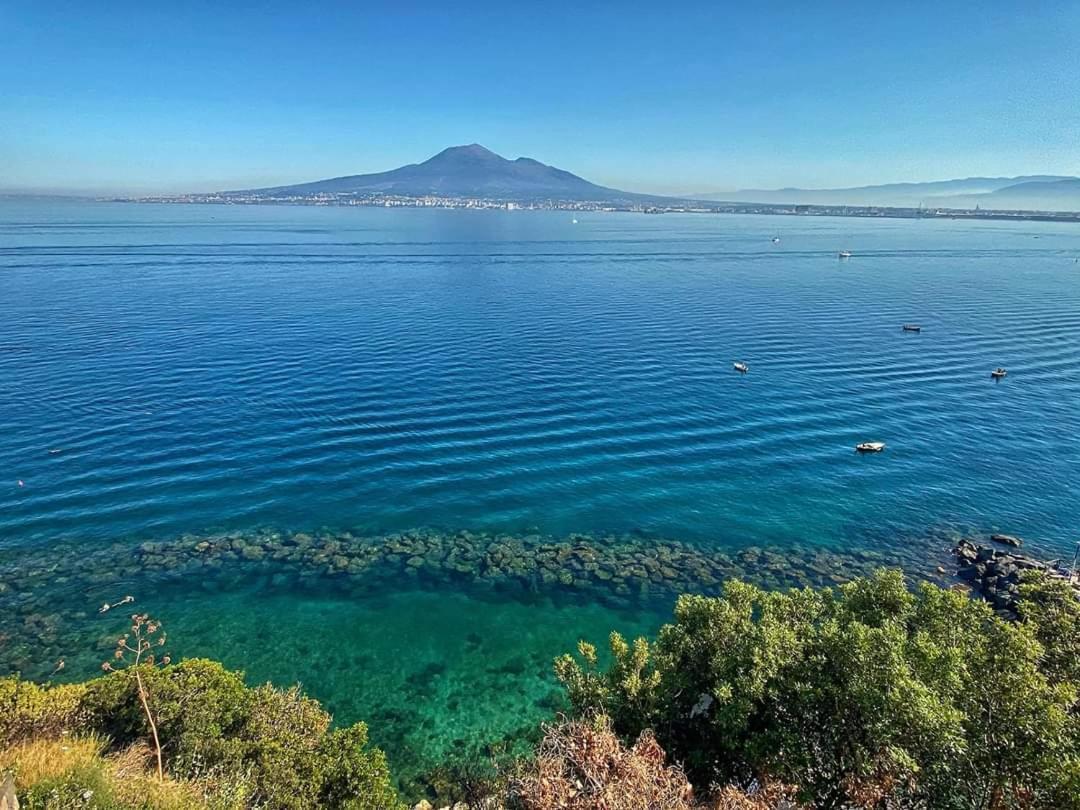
x=207, y=718
x=1050, y=606
x=209, y=722
x=928, y=699
x=27, y=709
x=199, y=707
x=279, y=742
x=354, y=776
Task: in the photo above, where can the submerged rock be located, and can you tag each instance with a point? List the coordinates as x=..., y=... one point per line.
x=626, y=571
x=1007, y=540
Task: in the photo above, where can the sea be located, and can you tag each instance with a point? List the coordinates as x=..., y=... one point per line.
x=216, y=375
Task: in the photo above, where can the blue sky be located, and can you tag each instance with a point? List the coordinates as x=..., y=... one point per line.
x=657, y=96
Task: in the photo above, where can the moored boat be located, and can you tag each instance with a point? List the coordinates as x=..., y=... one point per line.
x=742, y=368
x=911, y=327
x=870, y=447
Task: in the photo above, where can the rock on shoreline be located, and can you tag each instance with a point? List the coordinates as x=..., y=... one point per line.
x=996, y=574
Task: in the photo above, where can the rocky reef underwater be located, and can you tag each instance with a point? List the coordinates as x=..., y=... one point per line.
x=442, y=641
x=47, y=592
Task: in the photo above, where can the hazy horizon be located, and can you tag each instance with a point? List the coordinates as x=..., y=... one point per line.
x=91, y=193
x=140, y=100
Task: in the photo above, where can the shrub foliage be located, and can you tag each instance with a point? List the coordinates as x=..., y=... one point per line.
x=210, y=722
x=866, y=695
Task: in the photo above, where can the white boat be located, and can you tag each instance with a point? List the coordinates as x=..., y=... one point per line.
x=998, y=373
x=911, y=327
x=742, y=368
x=845, y=254
x=776, y=240
x=870, y=447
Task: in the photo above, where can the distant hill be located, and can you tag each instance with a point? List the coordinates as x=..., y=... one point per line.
x=474, y=172
x=1033, y=191
x=1047, y=194
x=462, y=171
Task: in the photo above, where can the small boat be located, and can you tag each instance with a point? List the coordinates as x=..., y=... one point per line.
x=845, y=254
x=742, y=368
x=911, y=327
x=870, y=447
x=998, y=373
x=573, y=221
x=776, y=240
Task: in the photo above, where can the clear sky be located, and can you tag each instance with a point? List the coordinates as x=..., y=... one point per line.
x=657, y=96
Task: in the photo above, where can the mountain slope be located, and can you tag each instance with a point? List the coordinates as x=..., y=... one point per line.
x=941, y=192
x=461, y=171
x=475, y=172
x=1039, y=194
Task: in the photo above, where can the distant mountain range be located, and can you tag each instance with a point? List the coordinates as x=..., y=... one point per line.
x=461, y=171
x=1033, y=192
x=475, y=172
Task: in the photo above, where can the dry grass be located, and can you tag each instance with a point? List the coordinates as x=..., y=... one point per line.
x=770, y=797
x=134, y=782
x=33, y=761
x=128, y=775
x=583, y=766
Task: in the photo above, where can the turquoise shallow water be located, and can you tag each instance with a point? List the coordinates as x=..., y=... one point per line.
x=218, y=369
x=477, y=675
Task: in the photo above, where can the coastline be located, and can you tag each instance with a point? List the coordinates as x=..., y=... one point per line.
x=444, y=639
x=441, y=640
x=676, y=207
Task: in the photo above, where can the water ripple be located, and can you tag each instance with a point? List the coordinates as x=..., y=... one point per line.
x=395, y=369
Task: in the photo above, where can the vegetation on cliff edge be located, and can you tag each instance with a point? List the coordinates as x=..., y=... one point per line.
x=867, y=695
x=225, y=744
x=864, y=696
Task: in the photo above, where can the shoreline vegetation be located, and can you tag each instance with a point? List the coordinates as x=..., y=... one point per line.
x=871, y=694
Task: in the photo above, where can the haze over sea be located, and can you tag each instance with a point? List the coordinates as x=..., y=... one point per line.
x=215, y=369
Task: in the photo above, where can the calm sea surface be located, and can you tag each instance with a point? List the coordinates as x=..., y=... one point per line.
x=202, y=369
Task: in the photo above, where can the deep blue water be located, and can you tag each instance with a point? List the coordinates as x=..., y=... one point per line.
x=225, y=367
x=205, y=368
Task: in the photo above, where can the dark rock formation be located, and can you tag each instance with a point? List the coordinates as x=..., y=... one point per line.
x=996, y=574
x=47, y=612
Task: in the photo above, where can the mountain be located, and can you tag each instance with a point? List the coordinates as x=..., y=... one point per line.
x=475, y=172
x=962, y=193
x=1050, y=195
x=461, y=171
